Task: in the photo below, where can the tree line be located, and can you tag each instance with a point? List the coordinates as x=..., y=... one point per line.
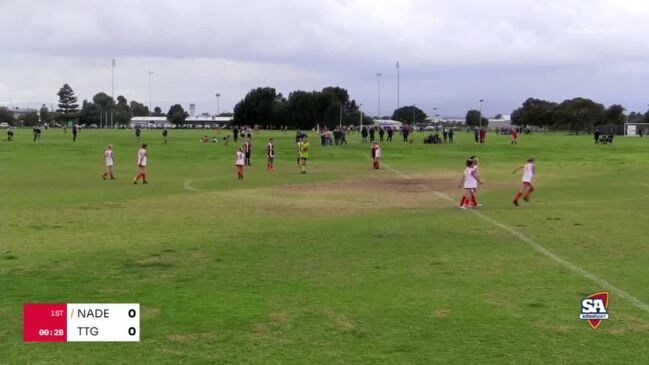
x=577, y=114
x=328, y=107
x=101, y=109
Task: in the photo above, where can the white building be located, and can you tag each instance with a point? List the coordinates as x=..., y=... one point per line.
x=149, y=122
x=387, y=123
x=209, y=120
x=503, y=122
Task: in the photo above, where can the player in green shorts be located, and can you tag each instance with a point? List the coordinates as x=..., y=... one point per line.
x=304, y=153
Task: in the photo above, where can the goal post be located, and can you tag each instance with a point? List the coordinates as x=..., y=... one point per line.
x=636, y=129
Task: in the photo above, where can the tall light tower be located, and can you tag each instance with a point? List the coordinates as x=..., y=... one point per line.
x=112, y=78
x=150, y=73
x=480, y=122
x=218, y=104
x=398, y=85
x=378, y=77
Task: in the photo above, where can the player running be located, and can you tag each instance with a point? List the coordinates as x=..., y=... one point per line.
x=304, y=153
x=529, y=170
x=108, y=157
x=165, y=133
x=470, y=181
x=270, y=153
x=376, y=155
x=514, y=136
x=239, y=162
x=141, y=163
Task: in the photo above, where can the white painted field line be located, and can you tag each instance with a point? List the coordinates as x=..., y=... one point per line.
x=549, y=254
x=188, y=186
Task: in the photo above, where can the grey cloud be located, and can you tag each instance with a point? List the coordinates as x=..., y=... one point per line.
x=451, y=52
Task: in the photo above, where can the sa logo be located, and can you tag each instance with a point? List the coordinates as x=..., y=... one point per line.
x=594, y=309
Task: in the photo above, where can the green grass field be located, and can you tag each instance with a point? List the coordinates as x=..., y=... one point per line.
x=342, y=265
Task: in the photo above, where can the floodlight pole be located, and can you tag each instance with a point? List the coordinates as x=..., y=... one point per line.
x=398, y=85
x=150, y=108
x=480, y=121
x=218, y=104
x=378, y=77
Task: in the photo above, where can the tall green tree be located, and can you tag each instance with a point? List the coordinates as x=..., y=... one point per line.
x=472, y=119
x=635, y=117
x=90, y=113
x=68, y=106
x=104, y=101
x=122, y=113
x=139, y=110
x=157, y=112
x=257, y=107
x=534, y=112
x=614, y=114
x=406, y=114
x=6, y=115
x=177, y=114
x=579, y=114
x=46, y=116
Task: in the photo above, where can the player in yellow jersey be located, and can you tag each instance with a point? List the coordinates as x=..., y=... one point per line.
x=304, y=153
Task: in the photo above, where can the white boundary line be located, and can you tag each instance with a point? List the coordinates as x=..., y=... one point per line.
x=187, y=185
x=549, y=254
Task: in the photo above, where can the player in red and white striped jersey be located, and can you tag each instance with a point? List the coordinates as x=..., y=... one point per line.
x=141, y=163
x=270, y=153
x=108, y=158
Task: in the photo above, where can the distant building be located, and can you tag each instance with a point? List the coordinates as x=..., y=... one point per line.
x=503, y=122
x=387, y=123
x=19, y=112
x=146, y=122
x=212, y=121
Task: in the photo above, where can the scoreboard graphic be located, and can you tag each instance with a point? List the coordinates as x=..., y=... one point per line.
x=81, y=322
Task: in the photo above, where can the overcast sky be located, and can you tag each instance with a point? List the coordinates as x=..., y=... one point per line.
x=452, y=53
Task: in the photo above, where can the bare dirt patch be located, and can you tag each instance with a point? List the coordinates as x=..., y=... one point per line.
x=192, y=337
x=441, y=312
x=391, y=185
x=554, y=327
x=150, y=312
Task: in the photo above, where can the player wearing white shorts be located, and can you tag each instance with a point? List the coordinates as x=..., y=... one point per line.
x=108, y=158
x=141, y=164
x=470, y=181
x=239, y=162
x=529, y=170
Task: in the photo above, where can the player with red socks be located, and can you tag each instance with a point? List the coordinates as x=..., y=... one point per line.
x=470, y=181
x=270, y=153
x=141, y=163
x=239, y=162
x=108, y=157
x=376, y=155
x=529, y=170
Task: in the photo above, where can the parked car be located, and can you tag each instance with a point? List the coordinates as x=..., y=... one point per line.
x=4, y=125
